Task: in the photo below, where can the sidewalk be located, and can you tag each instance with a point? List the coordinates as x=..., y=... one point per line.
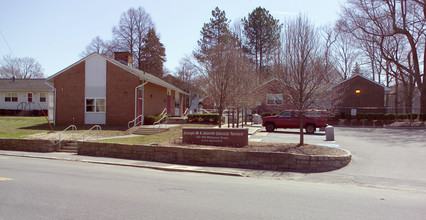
x=126, y=162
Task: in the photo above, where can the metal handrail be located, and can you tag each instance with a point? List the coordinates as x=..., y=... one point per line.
x=185, y=114
x=73, y=129
x=164, y=111
x=159, y=121
x=134, y=121
x=28, y=103
x=22, y=107
x=98, y=129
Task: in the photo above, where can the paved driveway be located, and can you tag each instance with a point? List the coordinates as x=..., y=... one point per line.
x=381, y=157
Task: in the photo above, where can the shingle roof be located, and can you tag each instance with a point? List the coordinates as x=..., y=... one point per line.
x=357, y=75
x=141, y=74
x=24, y=85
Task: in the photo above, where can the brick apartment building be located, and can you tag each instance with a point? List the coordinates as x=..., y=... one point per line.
x=359, y=94
x=101, y=90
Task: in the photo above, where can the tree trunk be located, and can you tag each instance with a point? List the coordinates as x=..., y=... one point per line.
x=396, y=95
x=301, y=141
x=220, y=116
x=238, y=118
x=423, y=100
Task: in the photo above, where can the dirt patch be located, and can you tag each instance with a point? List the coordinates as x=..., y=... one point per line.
x=306, y=149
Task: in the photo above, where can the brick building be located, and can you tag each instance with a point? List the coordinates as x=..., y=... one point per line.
x=100, y=90
x=359, y=94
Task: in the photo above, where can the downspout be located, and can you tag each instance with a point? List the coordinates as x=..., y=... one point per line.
x=136, y=98
x=54, y=103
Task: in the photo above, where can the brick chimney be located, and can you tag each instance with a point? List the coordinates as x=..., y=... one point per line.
x=124, y=58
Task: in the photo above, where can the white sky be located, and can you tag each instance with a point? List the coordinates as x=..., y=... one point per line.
x=56, y=32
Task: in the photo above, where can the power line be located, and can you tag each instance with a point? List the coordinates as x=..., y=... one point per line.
x=7, y=44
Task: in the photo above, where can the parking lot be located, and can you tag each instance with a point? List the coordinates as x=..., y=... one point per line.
x=381, y=157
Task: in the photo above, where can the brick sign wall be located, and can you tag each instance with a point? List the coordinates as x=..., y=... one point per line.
x=234, y=137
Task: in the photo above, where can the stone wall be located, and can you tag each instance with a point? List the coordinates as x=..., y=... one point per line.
x=27, y=145
x=217, y=157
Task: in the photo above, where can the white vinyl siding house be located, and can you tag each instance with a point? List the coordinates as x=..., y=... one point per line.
x=25, y=94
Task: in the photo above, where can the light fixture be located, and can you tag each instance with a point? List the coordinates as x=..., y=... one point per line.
x=357, y=91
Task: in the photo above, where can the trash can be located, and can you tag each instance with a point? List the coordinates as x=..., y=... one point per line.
x=329, y=133
x=257, y=119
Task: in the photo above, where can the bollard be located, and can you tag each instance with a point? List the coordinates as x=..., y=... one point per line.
x=329, y=133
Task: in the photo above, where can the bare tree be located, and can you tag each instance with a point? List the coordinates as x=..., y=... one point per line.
x=130, y=32
x=346, y=54
x=386, y=19
x=188, y=76
x=97, y=45
x=300, y=69
x=21, y=68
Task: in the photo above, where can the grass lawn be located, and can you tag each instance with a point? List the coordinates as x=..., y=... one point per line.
x=21, y=127
x=37, y=128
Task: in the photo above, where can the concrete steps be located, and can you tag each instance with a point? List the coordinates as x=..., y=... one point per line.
x=148, y=130
x=68, y=147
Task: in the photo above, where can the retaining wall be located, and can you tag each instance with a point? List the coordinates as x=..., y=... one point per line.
x=27, y=145
x=217, y=157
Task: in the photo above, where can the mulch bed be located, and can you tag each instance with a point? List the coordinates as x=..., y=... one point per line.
x=306, y=149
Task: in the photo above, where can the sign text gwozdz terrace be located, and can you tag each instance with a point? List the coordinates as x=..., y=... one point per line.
x=234, y=137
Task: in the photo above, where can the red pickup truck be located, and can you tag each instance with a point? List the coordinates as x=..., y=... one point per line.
x=289, y=119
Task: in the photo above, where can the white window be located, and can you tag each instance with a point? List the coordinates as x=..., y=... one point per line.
x=95, y=105
x=43, y=97
x=274, y=99
x=11, y=97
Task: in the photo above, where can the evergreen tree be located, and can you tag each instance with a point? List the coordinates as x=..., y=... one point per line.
x=357, y=70
x=213, y=34
x=217, y=55
x=153, y=54
x=262, y=33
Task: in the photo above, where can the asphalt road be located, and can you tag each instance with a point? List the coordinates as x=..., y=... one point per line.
x=381, y=157
x=54, y=189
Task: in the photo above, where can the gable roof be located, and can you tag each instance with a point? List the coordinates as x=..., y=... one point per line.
x=358, y=75
x=141, y=74
x=31, y=85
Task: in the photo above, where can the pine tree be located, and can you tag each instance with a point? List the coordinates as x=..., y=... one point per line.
x=153, y=54
x=262, y=33
x=357, y=70
x=213, y=34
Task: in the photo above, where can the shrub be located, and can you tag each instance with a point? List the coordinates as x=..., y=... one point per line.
x=402, y=116
x=149, y=120
x=389, y=117
x=269, y=114
x=413, y=116
x=423, y=117
x=380, y=116
x=209, y=118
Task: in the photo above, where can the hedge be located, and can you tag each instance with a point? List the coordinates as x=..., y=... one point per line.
x=269, y=114
x=150, y=119
x=207, y=118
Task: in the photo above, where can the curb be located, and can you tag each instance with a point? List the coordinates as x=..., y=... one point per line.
x=171, y=169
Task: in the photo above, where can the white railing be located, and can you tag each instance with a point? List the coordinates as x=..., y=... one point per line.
x=61, y=136
x=163, y=120
x=85, y=134
x=135, y=121
x=185, y=114
x=164, y=111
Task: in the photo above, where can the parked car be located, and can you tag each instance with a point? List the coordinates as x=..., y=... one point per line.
x=290, y=119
